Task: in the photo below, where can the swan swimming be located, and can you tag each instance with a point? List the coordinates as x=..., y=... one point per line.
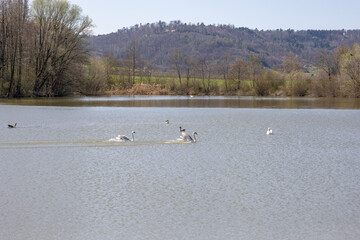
x=12, y=126
x=125, y=138
x=187, y=138
x=191, y=139
x=269, y=131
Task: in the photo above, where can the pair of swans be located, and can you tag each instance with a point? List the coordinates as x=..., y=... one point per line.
x=186, y=137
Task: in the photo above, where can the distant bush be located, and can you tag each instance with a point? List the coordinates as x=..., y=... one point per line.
x=297, y=84
x=300, y=88
x=262, y=87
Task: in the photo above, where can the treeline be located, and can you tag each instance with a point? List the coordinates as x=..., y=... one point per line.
x=156, y=41
x=333, y=74
x=43, y=49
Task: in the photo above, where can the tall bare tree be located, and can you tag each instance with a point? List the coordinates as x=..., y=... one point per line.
x=189, y=68
x=22, y=17
x=239, y=72
x=13, y=18
x=132, y=60
x=224, y=69
x=256, y=68
x=61, y=34
x=201, y=69
x=177, y=61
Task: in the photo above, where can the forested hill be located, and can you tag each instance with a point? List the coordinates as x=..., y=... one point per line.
x=156, y=41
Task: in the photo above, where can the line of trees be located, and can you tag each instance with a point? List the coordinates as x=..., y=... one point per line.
x=333, y=74
x=43, y=49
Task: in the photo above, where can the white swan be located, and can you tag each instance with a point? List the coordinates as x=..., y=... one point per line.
x=269, y=131
x=187, y=138
x=125, y=138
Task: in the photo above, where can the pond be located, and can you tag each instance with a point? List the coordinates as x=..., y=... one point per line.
x=63, y=176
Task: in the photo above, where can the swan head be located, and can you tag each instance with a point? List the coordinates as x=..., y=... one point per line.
x=194, y=133
x=133, y=132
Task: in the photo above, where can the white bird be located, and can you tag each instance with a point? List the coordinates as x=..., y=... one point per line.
x=182, y=131
x=187, y=138
x=125, y=138
x=12, y=126
x=269, y=131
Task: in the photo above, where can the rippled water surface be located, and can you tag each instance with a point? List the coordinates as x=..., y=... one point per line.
x=62, y=178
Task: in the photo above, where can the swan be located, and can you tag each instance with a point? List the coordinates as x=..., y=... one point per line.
x=12, y=126
x=187, y=138
x=269, y=131
x=125, y=138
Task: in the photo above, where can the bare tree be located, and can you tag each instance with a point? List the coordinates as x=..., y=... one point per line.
x=176, y=61
x=224, y=69
x=201, y=70
x=328, y=62
x=189, y=67
x=22, y=16
x=291, y=63
x=239, y=71
x=3, y=42
x=256, y=68
x=132, y=60
x=61, y=34
x=149, y=68
x=13, y=18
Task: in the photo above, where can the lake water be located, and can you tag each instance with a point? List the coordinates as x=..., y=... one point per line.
x=62, y=178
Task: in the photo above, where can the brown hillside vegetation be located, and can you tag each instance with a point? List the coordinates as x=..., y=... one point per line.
x=156, y=42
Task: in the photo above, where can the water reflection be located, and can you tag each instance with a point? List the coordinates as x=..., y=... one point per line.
x=198, y=102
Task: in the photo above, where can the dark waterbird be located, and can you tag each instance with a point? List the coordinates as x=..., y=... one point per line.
x=12, y=126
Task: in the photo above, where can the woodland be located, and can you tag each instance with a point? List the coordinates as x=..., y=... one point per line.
x=48, y=50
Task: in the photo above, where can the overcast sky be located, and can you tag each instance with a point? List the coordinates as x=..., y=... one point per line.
x=110, y=15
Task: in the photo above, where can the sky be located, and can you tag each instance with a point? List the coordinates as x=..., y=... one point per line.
x=110, y=15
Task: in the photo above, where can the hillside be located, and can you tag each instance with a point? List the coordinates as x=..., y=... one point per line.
x=157, y=41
